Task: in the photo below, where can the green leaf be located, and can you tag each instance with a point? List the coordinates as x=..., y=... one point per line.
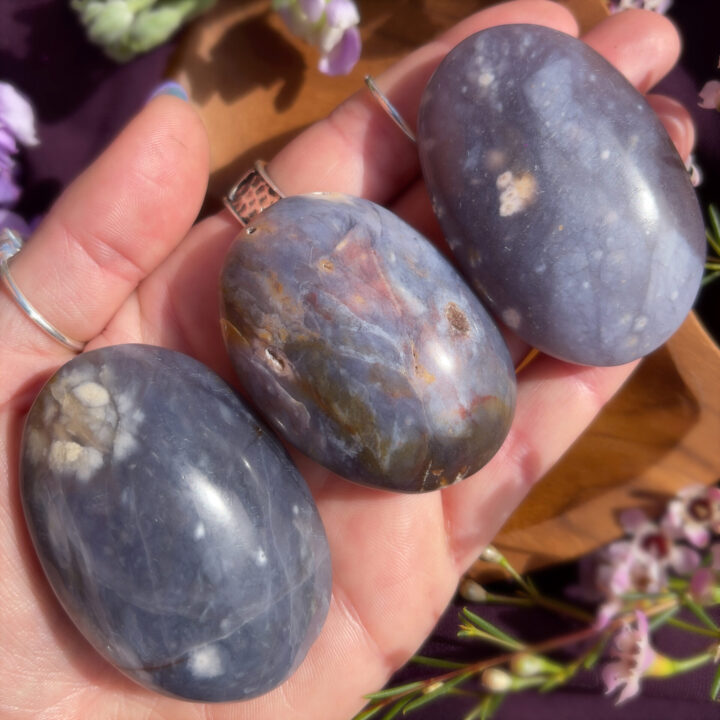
x=489, y=628
x=396, y=708
x=662, y=618
x=700, y=614
x=552, y=683
x=477, y=712
x=444, y=689
x=391, y=692
x=714, y=220
x=491, y=704
x=437, y=662
x=595, y=654
x=710, y=277
x=713, y=241
x=715, y=687
x=368, y=713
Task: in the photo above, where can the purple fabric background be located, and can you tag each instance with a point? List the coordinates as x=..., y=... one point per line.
x=83, y=100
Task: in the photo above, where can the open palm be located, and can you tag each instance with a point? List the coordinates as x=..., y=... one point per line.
x=116, y=261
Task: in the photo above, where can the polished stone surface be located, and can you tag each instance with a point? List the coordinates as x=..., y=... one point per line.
x=362, y=345
x=561, y=195
x=173, y=527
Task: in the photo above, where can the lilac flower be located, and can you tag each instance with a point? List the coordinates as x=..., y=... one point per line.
x=13, y=221
x=633, y=657
x=710, y=95
x=694, y=514
x=330, y=25
x=17, y=125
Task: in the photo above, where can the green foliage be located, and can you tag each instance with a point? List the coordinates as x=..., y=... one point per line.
x=126, y=28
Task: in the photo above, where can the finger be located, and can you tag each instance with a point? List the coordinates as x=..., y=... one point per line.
x=641, y=44
x=677, y=121
x=111, y=227
x=357, y=149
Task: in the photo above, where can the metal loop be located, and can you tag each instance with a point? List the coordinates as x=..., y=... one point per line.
x=253, y=193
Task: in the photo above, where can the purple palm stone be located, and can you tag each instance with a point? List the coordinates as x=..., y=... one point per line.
x=561, y=195
x=173, y=528
x=362, y=345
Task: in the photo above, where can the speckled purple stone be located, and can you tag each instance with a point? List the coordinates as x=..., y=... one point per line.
x=561, y=195
x=172, y=526
x=362, y=345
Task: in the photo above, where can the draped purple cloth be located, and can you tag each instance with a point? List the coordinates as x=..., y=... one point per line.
x=83, y=99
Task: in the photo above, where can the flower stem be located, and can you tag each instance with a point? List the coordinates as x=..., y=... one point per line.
x=690, y=627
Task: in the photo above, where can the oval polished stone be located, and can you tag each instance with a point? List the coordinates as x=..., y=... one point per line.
x=173, y=528
x=362, y=345
x=561, y=195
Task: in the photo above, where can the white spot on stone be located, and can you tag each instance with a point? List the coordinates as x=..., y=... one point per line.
x=504, y=180
x=205, y=662
x=199, y=531
x=597, y=254
x=92, y=394
x=640, y=322
x=516, y=192
x=295, y=510
x=605, y=154
x=626, y=319
x=586, y=285
x=260, y=558
x=540, y=269
x=511, y=317
x=464, y=89
x=67, y=456
x=674, y=295
x=124, y=443
x=485, y=79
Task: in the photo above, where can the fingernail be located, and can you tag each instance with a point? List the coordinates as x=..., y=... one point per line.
x=170, y=88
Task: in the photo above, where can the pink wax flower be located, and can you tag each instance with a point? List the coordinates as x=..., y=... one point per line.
x=710, y=95
x=694, y=514
x=633, y=656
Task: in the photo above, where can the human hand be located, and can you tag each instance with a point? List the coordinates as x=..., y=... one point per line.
x=116, y=261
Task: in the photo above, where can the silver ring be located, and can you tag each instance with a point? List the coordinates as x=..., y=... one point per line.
x=10, y=244
x=388, y=107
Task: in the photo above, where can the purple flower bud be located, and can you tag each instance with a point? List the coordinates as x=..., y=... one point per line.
x=313, y=9
x=16, y=115
x=343, y=56
x=9, y=191
x=342, y=13
x=13, y=221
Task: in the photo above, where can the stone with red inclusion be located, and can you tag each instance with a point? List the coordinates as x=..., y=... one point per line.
x=362, y=345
